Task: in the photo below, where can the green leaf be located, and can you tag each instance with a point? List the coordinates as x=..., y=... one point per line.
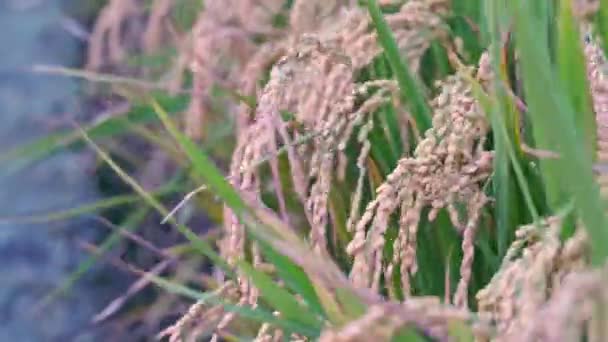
x=201, y=164
x=407, y=334
x=554, y=128
x=573, y=73
x=201, y=245
x=208, y=171
x=505, y=130
x=351, y=304
x=460, y=332
x=97, y=206
x=280, y=299
x=487, y=104
x=107, y=127
x=410, y=88
x=255, y=314
x=294, y=277
x=388, y=114
x=131, y=223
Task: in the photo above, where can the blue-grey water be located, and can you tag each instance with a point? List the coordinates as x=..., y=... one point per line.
x=35, y=259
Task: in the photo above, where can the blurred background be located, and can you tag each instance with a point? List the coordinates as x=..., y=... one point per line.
x=66, y=258
x=38, y=257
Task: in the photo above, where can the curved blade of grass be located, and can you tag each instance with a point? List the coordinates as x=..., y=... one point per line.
x=131, y=223
x=201, y=164
x=505, y=186
x=388, y=114
x=201, y=245
x=212, y=298
x=339, y=300
x=554, y=129
x=107, y=203
x=216, y=181
x=154, y=138
x=258, y=314
x=330, y=305
x=294, y=277
x=384, y=137
x=407, y=334
x=262, y=225
x=460, y=332
x=338, y=198
x=351, y=305
x=410, y=89
x=504, y=119
x=556, y=195
x=380, y=151
x=107, y=127
x=280, y=299
x=573, y=72
x=96, y=77
x=502, y=180
x=487, y=104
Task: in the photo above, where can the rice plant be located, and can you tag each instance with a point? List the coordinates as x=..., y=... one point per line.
x=402, y=170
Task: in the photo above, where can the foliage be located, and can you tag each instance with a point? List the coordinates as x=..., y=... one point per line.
x=408, y=170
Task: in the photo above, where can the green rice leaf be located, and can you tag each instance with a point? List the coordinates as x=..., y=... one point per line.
x=131, y=223
x=411, y=90
x=573, y=73
x=201, y=245
x=201, y=164
x=107, y=127
x=107, y=203
x=255, y=314
x=554, y=128
x=294, y=277
x=280, y=299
